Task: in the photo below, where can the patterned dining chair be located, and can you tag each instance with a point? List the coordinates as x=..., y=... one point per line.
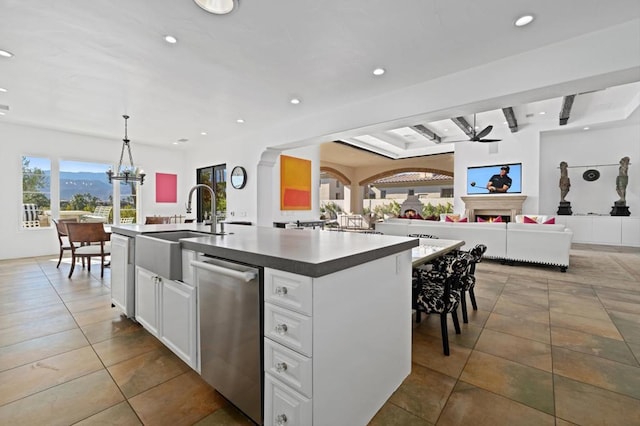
x=439, y=293
x=468, y=279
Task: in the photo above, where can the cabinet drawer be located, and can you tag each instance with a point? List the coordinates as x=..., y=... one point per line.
x=288, y=366
x=289, y=290
x=289, y=328
x=284, y=406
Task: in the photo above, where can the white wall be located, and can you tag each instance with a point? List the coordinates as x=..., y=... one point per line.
x=17, y=141
x=521, y=147
x=590, y=149
x=540, y=150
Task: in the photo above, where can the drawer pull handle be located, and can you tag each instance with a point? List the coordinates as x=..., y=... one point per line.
x=281, y=419
x=281, y=329
x=281, y=291
x=281, y=366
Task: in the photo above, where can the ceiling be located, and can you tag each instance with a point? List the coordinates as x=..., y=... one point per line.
x=78, y=66
x=414, y=140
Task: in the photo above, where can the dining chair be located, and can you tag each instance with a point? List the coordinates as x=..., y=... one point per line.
x=155, y=220
x=63, y=238
x=468, y=279
x=88, y=240
x=438, y=293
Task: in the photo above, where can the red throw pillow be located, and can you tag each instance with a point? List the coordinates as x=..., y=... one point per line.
x=464, y=219
x=551, y=221
x=527, y=219
x=479, y=219
x=447, y=219
x=498, y=219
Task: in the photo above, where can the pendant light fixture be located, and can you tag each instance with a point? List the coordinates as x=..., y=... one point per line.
x=129, y=174
x=218, y=7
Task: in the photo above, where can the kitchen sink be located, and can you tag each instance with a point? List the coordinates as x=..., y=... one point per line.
x=177, y=235
x=161, y=252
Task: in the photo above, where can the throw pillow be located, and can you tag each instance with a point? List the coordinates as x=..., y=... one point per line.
x=527, y=219
x=479, y=219
x=464, y=219
x=551, y=221
x=452, y=218
x=498, y=219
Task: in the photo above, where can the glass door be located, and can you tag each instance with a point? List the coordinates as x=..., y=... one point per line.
x=214, y=177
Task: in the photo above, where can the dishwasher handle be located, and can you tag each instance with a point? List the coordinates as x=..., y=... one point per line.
x=245, y=276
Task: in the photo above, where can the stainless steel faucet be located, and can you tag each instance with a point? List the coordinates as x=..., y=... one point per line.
x=213, y=204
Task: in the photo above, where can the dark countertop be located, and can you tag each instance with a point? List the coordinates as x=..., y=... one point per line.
x=306, y=252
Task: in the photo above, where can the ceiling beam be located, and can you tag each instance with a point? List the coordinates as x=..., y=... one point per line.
x=430, y=134
x=510, y=116
x=565, y=112
x=464, y=125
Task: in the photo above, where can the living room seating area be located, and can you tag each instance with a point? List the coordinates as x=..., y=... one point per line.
x=547, y=244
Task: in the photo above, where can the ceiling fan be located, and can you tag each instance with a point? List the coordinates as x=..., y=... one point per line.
x=478, y=137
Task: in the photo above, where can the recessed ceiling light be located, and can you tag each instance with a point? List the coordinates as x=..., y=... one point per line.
x=170, y=39
x=585, y=128
x=379, y=71
x=240, y=120
x=1, y=113
x=523, y=20
x=203, y=133
x=2, y=89
x=505, y=123
x=295, y=101
x=218, y=7
x=542, y=113
x=446, y=130
x=6, y=53
x=175, y=143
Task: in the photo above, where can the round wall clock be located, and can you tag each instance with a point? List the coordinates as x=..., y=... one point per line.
x=238, y=177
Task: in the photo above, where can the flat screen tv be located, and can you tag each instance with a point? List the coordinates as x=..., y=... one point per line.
x=479, y=176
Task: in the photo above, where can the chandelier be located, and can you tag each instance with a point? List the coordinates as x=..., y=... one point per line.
x=129, y=174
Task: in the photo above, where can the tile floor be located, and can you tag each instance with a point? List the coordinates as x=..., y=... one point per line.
x=544, y=348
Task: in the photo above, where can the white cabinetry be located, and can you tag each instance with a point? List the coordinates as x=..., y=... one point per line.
x=167, y=309
x=122, y=274
x=178, y=319
x=147, y=294
x=610, y=230
x=336, y=347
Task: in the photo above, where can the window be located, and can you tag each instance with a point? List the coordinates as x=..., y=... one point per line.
x=83, y=187
x=36, y=191
x=128, y=201
x=446, y=193
x=337, y=184
x=214, y=177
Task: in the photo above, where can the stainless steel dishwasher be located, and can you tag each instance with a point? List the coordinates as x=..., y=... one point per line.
x=230, y=302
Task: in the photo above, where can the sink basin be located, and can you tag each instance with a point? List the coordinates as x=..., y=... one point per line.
x=177, y=235
x=161, y=252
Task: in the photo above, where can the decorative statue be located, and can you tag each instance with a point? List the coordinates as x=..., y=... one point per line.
x=565, y=182
x=622, y=180
x=620, y=207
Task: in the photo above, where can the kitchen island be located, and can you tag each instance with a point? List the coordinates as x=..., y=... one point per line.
x=335, y=337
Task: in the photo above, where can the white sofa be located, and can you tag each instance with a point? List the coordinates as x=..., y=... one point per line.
x=525, y=242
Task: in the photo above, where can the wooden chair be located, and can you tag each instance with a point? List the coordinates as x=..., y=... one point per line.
x=155, y=220
x=88, y=240
x=63, y=238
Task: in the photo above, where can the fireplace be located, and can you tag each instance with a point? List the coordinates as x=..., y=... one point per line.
x=493, y=205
